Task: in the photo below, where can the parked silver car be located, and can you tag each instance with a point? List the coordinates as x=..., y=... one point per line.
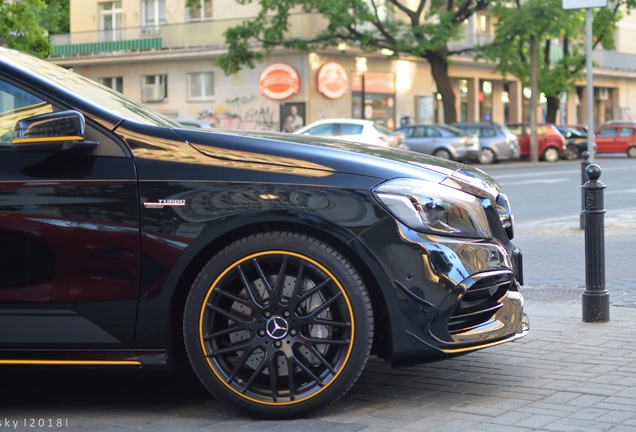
x=496, y=140
x=443, y=141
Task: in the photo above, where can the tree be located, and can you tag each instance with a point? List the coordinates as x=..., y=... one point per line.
x=406, y=28
x=559, y=35
x=21, y=27
x=57, y=17
x=25, y=25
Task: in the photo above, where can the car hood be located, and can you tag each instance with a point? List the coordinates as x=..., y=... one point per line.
x=329, y=155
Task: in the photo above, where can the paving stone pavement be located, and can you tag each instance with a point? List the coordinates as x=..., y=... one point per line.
x=566, y=375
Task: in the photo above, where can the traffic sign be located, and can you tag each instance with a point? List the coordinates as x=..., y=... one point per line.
x=583, y=4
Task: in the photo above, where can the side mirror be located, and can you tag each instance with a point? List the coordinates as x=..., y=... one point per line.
x=52, y=132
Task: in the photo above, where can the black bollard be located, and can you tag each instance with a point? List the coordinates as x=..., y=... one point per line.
x=595, y=297
x=584, y=164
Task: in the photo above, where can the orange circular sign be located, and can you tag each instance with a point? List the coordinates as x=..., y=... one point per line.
x=279, y=81
x=332, y=80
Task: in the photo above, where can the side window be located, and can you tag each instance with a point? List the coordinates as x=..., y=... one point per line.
x=325, y=129
x=608, y=132
x=432, y=133
x=487, y=132
x=350, y=129
x=16, y=104
x=516, y=129
x=408, y=132
x=627, y=131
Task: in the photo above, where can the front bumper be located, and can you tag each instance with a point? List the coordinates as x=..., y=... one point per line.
x=449, y=296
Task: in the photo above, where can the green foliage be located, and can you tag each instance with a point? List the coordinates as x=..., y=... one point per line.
x=558, y=65
x=21, y=27
x=57, y=17
x=406, y=28
x=25, y=25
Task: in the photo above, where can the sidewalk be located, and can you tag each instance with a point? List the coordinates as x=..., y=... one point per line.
x=564, y=376
x=554, y=258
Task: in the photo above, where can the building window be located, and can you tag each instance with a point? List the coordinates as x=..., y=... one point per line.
x=201, y=11
x=154, y=88
x=153, y=14
x=485, y=100
x=115, y=83
x=463, y=100
x=110, y=20
x=201, y=85
x=483, y=23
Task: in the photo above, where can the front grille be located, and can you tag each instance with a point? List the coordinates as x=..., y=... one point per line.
x=480, y=302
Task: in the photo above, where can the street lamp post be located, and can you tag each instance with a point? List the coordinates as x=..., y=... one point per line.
x=361, y=67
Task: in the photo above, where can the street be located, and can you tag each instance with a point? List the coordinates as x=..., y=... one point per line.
x=547, y=193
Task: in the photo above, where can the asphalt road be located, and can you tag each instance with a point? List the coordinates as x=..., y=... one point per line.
x=549, y=193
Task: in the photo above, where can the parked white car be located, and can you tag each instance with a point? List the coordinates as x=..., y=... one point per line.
x=360, y=131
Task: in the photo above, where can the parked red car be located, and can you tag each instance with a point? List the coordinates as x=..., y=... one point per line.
x=551, y=142
x=616, y=137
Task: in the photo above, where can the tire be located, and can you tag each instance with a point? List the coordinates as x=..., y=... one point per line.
x=573, y=152
x=631, y=152
x=487, y=156
x=278, y=325
x=443, y=154
x=551, y=154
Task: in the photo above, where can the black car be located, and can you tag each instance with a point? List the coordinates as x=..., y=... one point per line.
x=576, y=141
x=275, y=264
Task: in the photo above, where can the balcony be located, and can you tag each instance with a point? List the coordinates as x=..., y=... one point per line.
x=203, y=34
x=209, y=35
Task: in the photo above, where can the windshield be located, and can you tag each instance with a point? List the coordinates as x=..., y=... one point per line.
x=90, y=90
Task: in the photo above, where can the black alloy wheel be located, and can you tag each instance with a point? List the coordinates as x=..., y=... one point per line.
x=278, y=325
x=572, y=152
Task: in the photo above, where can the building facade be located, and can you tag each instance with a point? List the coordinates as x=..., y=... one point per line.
x=162, y=54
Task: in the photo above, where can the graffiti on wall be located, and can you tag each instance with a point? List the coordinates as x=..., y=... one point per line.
x=242, y=115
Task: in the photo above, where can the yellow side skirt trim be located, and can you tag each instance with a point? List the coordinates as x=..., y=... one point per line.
x=72, y=362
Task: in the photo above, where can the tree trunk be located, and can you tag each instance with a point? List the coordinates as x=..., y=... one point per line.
x=554, y=103
x=439, y=69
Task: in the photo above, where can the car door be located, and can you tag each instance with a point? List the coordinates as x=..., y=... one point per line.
x=625, y=139
x=418, y=140
x=69, y=237
x=606, y=139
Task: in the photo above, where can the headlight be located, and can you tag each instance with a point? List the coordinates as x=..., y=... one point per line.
x=433, y=208
x=505, y=215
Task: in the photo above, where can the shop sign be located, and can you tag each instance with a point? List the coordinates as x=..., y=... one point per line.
x=374, y=82
x=332, y=81
x=279, y=81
